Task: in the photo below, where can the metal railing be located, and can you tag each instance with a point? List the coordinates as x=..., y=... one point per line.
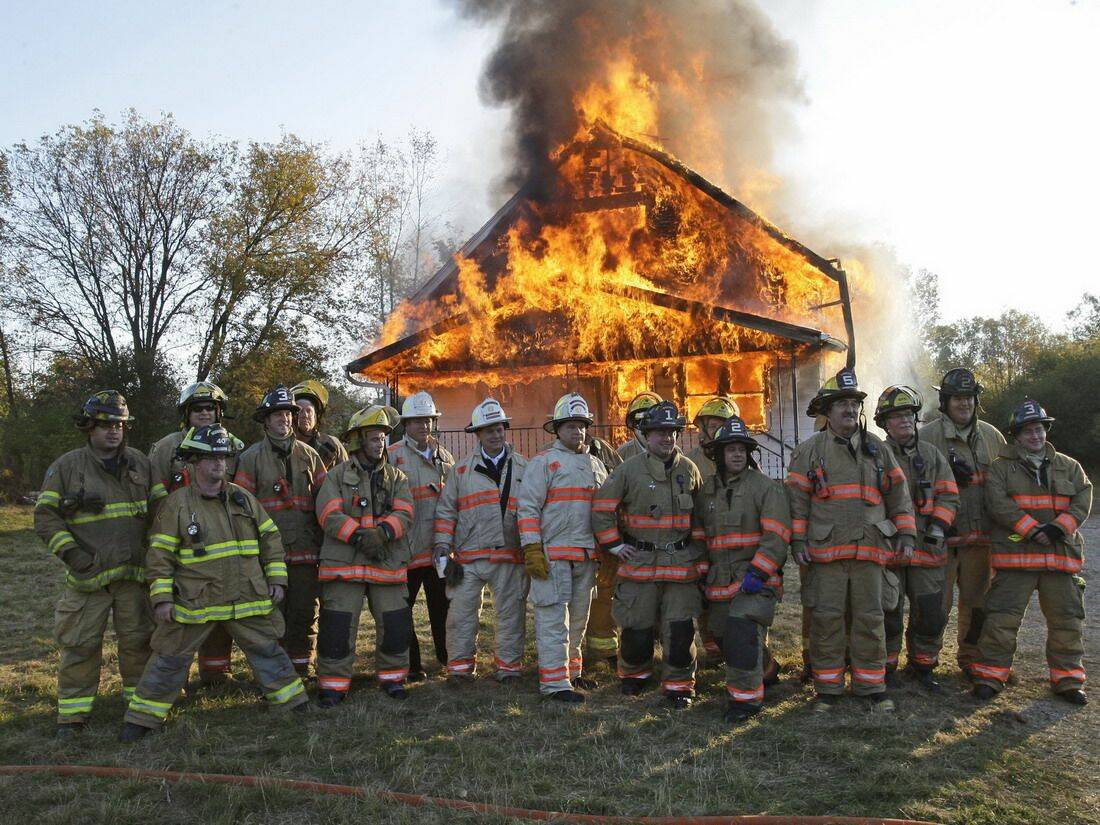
x=530, y=440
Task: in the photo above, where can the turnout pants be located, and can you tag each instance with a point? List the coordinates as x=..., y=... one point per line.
x=300, y=612
x=807, y=613
x=174, y=646
x=969, y=570
x=80, y=621
x=215, y=655
x=508, y=583
x=601, y=638
x=866, y=589
x=637, y=608
x=1062, y=600
x=740, y=627
x=561, y=604
x=923, y=588
x=435, y=594
x=341, y=606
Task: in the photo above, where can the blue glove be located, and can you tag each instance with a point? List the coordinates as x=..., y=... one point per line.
x=753, y=583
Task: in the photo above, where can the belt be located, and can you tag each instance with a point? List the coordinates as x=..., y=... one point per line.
x=650, y=547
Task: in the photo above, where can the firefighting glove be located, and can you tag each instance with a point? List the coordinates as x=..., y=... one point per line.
x=1051, y=531
x=753, y=582
x=534, y=560
x=800, y=552
x=454, y=573
x=963, y=472
x=93, y=503
x=78, y=559
x=371, y=542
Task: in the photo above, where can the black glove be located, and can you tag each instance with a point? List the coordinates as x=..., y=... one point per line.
x=1051, y=531
x=78, y=559
x=454, y=573
x=963, y=472
x=371, y=542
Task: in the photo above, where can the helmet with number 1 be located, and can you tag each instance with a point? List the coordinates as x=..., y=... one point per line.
x=898, y=398
x=486, y=414
x=663, y=416
x=105, y=405
x=571, y=407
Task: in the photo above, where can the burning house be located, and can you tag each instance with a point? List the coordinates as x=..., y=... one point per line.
x=622, y=270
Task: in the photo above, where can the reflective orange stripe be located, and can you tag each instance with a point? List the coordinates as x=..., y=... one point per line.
x=777, y=527
x=1048, y=501
x=798, y=480
x=1040, y=561
x=724, y=541
x=860, y=552
x=678, y=521
x=484, y=498
x=361, y=573
x=1067, y=523
x=657, y=572
x=851, y=491
x=605, y=505
x=424, y=492
x=1025, y=524
x=569, y=494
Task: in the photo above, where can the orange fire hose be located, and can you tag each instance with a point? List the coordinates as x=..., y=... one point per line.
x=417, y=800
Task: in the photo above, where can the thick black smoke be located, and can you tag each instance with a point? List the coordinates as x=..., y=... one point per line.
x=723, y=76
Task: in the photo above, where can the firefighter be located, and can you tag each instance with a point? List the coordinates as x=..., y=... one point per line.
x=601, y=637
x=1037, y=499
x=91, y=514
x=215, y=560
x=366, y=509
x=312, y=400
x=745, y=520
x=848, y=499
x=199, y=405
x=475, y=528
x=559, y=550
x=970, y=445
x=712, y=414
x=425, y=461
x=659, y=561
x=285, y=474
x=636, y=444
x=935, y=498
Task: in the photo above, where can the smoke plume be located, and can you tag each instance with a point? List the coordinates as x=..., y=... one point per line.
x=717, y=76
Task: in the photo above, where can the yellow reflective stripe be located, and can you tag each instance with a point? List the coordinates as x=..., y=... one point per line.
x=120, y=509
x=268, y=527
x=75, y=705
x=164, y=542
x=59, y=539
x=158, y=709
x=220, y=551
x=275, y=568
x=47, y=497
x=219, y=613
x=128, y=693
x=158, y=491
x=160, y=586
x=124, y=572
x=285, y=694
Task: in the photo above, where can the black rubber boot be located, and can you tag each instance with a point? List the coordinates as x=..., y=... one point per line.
x=329, y=698
x=569, y=696
x=132, y=733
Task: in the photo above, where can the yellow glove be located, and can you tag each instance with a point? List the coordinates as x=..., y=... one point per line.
x=535, y=561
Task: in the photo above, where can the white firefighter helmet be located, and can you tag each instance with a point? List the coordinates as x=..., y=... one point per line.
x=570, y=407
x=486, y=414
x=419, y=405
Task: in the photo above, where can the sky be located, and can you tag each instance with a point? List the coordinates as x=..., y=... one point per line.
x=963, y=134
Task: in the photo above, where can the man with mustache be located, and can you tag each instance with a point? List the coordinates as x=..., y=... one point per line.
x=848, y=499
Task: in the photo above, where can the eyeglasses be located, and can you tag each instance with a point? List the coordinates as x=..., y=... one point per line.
x=203, y=408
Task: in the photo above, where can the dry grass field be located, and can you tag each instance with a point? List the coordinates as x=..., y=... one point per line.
x=1024, y=758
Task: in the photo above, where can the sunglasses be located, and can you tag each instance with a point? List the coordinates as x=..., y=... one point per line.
x=201, y=408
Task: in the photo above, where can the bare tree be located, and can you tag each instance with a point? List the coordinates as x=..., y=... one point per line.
x=106, y=226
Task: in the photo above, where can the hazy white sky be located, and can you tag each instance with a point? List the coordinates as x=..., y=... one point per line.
x=964, y=133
